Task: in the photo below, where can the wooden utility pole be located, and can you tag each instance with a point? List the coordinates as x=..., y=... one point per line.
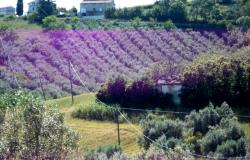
x=41, y=85
x=118, y=129
x=71, y=85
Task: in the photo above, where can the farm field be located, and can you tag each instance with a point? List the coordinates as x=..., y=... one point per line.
x=96, y=133
x=40, y=60
x=120, y=80
x=105, y=132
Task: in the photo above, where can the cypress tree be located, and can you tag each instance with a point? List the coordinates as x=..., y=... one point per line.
x=19, y=8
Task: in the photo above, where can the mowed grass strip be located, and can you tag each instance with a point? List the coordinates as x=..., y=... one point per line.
x=246, y=127
x=96, y=133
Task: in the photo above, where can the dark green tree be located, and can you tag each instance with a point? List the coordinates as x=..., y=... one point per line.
x=19, y=8
x=201, y=9
x=45, y=8
x=73, y=11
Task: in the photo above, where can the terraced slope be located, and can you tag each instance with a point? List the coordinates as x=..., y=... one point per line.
x=40, y=60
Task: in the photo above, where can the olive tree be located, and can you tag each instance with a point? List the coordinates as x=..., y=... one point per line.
x=32, y=130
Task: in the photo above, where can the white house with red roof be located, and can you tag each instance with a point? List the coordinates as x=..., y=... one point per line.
x=170, y=86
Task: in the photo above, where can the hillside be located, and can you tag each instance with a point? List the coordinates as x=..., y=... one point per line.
x=40, y=60
x=96, y=133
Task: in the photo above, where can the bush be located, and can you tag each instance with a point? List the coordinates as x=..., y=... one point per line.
x=136, y=22
x=214, y=132
x=243, y=22
x=232, y=148
x=96, y=112
x=212, y=139
x=32, y=131
x=113, y=91
x=200, y=122
x=75, y=21
x=141, y=93
x=109, y=150
x=10, y=18
x=159, y=154
x=216, y=78
x=156, y=128
x=171, y=143
x=106, y=152
x=169, y=25
x=226, y=142
x=51, y=22
x=226, y=139
x=32, y=18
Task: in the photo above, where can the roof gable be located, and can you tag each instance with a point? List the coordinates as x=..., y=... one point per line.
x=97, y=1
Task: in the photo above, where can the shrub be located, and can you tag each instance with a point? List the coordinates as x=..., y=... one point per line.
x=106, y=152
x=96, y=112
x=157, y=128
x=142, y=93
x=171, y=143
x=169, y=25
x=113, y=91
x=232, y=148
x=200, y=122
x=227, y=139
x=136, y=22
x=109, y=150
x=212, y=139
x=243, y=22
x=159, y=154
x=51, y=22
x=216, y=78
x=30, y=130
x=32, y=18
x=214, y=132
x=10, y=18
x=75, y=21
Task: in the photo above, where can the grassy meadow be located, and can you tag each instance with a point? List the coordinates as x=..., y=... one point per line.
x=96, y=133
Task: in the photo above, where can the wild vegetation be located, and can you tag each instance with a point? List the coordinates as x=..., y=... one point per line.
x=42, y=58
x=29, y=129
x=213, y=131
x=121, y=61
x=195, y=13
x=217, y=78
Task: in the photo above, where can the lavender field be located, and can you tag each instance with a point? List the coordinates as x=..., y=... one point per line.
x=40, y=60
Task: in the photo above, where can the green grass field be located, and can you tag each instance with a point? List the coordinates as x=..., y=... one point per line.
x=19, y=24
x=246, y=127
x=96, y=133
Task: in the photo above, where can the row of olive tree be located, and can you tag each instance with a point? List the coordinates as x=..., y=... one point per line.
x=163, y=10
x=140, y=93
x=30, y=130
x=222, y=13
x=217, y=78
x=212, y=132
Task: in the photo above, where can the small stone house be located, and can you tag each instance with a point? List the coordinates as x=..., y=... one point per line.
x=170, y=86
x=95, y=8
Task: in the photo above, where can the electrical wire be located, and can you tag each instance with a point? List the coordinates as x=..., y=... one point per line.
x=140, y=133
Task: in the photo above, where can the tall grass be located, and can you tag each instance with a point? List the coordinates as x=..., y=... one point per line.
x=96, y=111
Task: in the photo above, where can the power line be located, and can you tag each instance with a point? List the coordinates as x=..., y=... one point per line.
x=140, y=133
